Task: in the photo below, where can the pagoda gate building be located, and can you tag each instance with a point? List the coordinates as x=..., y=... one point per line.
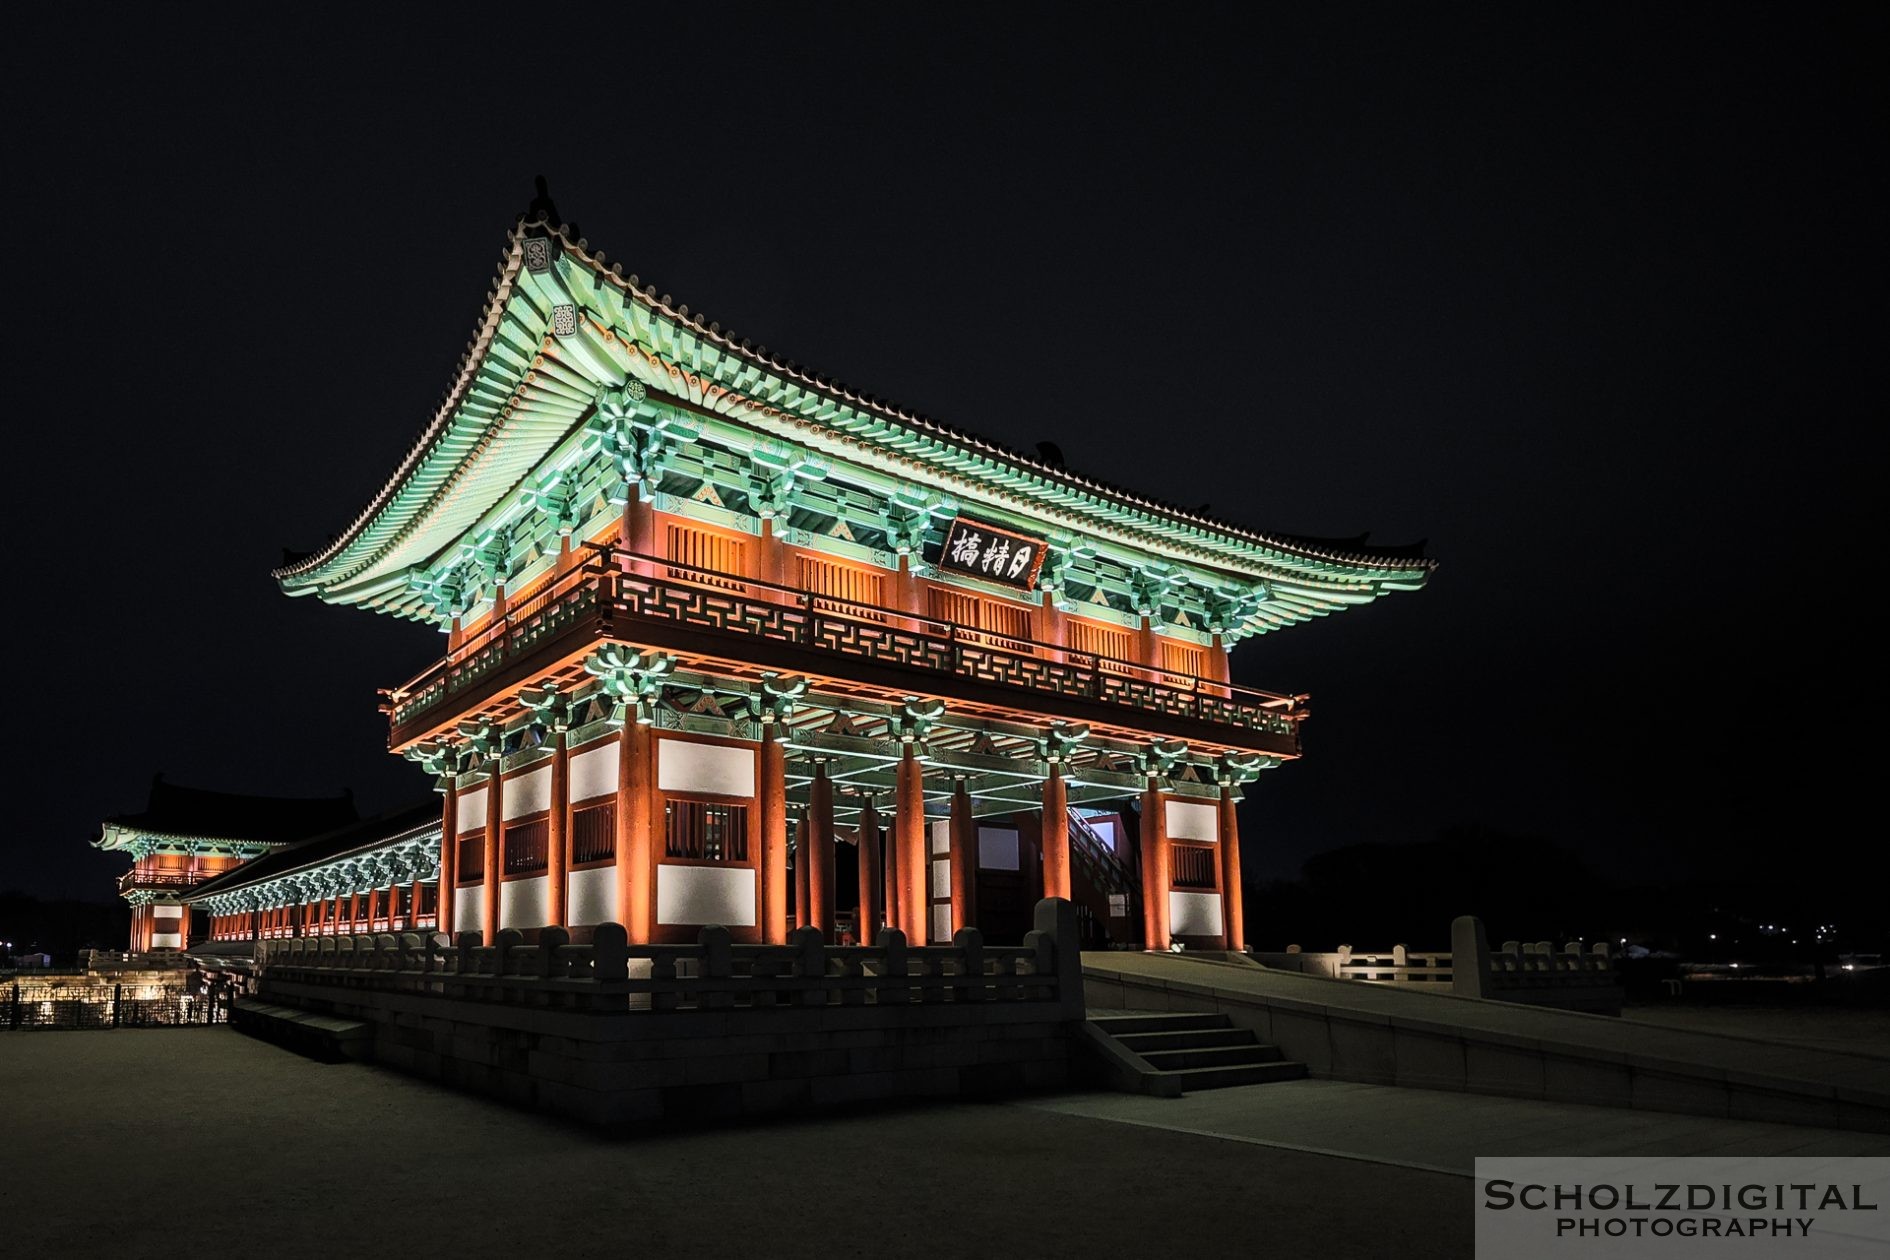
x=728, y=642
x=186, y=837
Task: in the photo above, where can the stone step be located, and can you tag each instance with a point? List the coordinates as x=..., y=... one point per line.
x=1213, y=1056
x=1156, y=1021
x=1186, y=1039
x=1234, y=1074
x=325, y=1037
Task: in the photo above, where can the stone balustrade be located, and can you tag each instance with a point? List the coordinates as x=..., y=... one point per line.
x=610, y=974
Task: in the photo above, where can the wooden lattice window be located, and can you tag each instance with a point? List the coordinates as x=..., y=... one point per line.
x=852, y=583
x=1181, y=658
x=709, y=549
x=973, y=612
x=527, y=845
x=1191, y=866
x=705, y=831
x=1111, y=642
x=594, y=832
x=472, y=856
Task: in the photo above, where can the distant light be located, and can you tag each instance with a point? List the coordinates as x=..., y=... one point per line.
x=1624, y=940
x=1712, y=936
x=1850, y=966
x=1735, y=966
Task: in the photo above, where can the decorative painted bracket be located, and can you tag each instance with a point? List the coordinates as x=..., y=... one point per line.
x=1160, y=757
x=556, y=497
x=1229, y=611
x=1150, y=585
x=773, y=473
x=905, y=518
x=1237, y=768
x=550, y=709
x=916, y=719
x=776, y=701
x=637, y=438
x=1060, y=741
x=632, y=679
x=486, y=740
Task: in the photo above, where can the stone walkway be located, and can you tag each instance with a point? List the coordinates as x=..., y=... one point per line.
x=1445, y=1132
x=164, y=1143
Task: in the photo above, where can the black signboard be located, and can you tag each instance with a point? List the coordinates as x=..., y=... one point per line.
x=981, y=550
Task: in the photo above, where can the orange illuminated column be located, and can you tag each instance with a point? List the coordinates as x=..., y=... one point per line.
x=1154, y=868
x=557, y=849
x=1232, y=907
x=774, y=876
x=635, y=530
x=866, y=916
x=495, y=834
x=802, y=831
x=634, y=803
x=771, y=557
x=820, y=870
x=889, y=874
x=413, y=907
x=1056, y=834
x=964, y=854
x=909, y=843
x=354, y=913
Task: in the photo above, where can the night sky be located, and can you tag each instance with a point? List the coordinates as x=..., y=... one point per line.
x=1592, y=299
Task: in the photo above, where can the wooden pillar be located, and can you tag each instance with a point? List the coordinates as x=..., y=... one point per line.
x=354, y=913
x=373, y=907
x=821, y=870
x=771, y=556
x=1233, y=908
x=558, y=837
x=774, y=874
x=1148, y=651
x=802, y=830
x=866, y=914
x=1154, y=868
x=889, y=875
x=1216, y=665
x=1056, y=834
x=1048, y=624
x=495, y=848
x=909, y=844
x=635, y=531
x=1030, y=856
x=964, y=854
x=635, y=802
x=413, y=907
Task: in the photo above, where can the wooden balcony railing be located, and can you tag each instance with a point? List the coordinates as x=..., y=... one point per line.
x=158, y=879
x=623, y=589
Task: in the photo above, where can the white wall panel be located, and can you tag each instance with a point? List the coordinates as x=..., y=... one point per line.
x=1194, y=914
x=941, y=924
x=941, y=833
x=997, y=849
x=166, y=940
x=942, y=878
x=472, y=810
x=717, y=769
x=705, y=894
x=594, y=771
x=593, y=896
x=1190, y=820
x=529, y=793
x=469, y=909
x=524, y=903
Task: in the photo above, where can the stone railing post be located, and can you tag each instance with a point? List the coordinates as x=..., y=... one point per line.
x=894, y=989
x=810, y=963
x=550, y=941
x=465, y=961
x=718, y=963
x=969, y=942
x=1469, y=957
x=610, y=953
x=1055, y=917
x=508, y=940
x=387, y=952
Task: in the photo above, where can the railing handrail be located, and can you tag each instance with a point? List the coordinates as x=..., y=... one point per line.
x=608, y=565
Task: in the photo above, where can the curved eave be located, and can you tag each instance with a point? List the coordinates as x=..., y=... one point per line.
x=115, y=839
x=519, y=392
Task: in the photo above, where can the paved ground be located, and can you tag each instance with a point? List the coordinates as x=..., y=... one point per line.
x=1445, y=1132
x=1853, y=1030
x=1711, y=1050
x=164, y=1143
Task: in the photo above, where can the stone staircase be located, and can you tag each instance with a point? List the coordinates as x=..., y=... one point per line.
x=1169, y=1053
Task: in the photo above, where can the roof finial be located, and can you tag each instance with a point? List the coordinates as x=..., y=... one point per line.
x=543, y=207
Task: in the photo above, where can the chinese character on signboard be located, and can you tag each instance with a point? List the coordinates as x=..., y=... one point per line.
x=981, y=550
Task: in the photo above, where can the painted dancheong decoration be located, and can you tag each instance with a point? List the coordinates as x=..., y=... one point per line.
x=730, y=642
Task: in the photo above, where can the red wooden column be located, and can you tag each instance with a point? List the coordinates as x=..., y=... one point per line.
x=495, y=834
x=889, y=874
x=635, y=801
x=558, y=837
x=1056, y=834
x=1233, y=910
x=866, y=915
x=964, y=853
x=1154, y=868
x=354, y=912
x=802, y=831
x=774, y=876
x=820, y=871
x=413, y=907
x=909, y=842
x=635, y=530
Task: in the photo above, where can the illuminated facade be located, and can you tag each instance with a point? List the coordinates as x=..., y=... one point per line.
x=728, y=642
x=185, y=837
